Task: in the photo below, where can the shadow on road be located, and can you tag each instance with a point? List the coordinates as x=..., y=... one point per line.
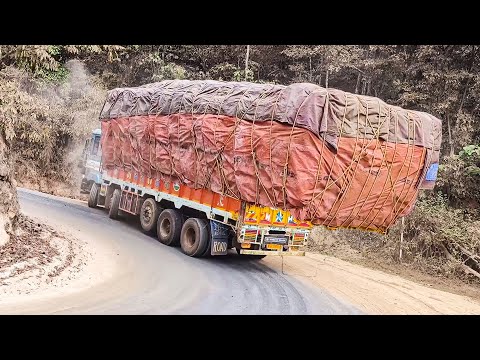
x=232, y=258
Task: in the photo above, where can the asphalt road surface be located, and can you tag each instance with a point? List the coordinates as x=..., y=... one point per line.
x=151, y=278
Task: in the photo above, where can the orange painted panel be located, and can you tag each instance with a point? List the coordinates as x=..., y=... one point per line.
x=218, y=201
x=197, y=195
x=207, y=197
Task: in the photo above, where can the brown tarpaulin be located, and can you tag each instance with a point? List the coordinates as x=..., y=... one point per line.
x=329, y=156
x=365, y=183
x=328, y=113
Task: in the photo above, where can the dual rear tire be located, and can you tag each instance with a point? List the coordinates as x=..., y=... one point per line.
x=193, y=235
x=169, y=227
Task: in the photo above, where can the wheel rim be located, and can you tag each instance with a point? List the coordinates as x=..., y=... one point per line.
x=147, y=213
x=165, y=228
x=190, y=237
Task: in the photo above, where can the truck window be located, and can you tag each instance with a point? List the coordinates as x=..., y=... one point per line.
x=86, y=147
x=95, y=146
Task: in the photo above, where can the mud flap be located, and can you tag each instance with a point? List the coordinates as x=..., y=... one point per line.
x=219, y=238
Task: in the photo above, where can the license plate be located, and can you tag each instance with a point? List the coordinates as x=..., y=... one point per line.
x=274, y=247
x=275, y=240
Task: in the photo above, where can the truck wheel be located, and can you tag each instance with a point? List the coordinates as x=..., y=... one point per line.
x=149, y=213
x=93, y=197
x=248, y=256
x=169, y=227
x=194, y=238
x=114, y=203
x=108, y=197
x=208, y=251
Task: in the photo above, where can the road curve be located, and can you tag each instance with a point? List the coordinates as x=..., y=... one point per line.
x=151, y=278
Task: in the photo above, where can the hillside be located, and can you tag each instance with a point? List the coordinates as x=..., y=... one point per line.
x=51, y=97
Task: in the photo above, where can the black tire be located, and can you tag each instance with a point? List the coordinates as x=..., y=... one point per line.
x=108, y=197
x=169, y=227
x=208, y=251
x=195, y=237
x=114, y=203
x=93, y=197
x=248, y=256
x=149, y=213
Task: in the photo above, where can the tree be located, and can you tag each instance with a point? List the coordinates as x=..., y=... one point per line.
x=16, y=110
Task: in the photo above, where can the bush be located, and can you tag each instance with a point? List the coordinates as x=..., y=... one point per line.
x=46, y=121
x=459, y=177
x=436, y=239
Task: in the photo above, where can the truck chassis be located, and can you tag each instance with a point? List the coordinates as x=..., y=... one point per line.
x=202, y=222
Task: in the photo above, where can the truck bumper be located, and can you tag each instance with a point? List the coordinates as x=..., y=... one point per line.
x=272, y=253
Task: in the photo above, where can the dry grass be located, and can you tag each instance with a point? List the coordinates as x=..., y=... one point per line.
x=431, y=226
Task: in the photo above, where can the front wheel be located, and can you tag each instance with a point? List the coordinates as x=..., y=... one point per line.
x=93, y=197
x=148, y=215
x=114, y=204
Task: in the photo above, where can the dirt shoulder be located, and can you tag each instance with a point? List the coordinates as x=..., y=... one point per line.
x=38, y=257
x=50, y=266
x=52, y=187
x=373, y=291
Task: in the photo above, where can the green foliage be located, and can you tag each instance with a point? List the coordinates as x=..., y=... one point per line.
x=430, y=230
x=18, y=108
x=41, y=119
x=241, y=75
x=47, y=103
x=55, y=76
x=224, y=72
x=459, y=176
x=469, y=151
x=159, y=70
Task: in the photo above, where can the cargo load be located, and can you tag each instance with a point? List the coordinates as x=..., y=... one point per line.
x=328, y=156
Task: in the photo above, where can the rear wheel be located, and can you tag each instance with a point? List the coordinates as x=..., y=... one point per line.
x=114, y=204
x=149, y=213
x=208, y=251
x=93, y=197
x=195, y=237
x=169, y=227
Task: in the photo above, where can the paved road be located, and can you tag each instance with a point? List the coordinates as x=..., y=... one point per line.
x=155, y=279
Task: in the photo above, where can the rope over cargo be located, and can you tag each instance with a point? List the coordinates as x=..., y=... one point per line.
x=328, y=156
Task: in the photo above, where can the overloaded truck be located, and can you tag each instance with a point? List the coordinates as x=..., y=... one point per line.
x=211, y=165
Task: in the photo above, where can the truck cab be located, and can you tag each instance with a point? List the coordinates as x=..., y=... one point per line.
x=90, y=162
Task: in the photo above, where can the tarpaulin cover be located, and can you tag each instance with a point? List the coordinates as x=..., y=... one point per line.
x=331, y=157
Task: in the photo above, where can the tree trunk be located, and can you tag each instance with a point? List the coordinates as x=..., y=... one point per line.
x=326, y=79
x=310, y=71
x=450, y=141
x=246, y=61
x=9, y=207
x=357, y=86
x=401, y=239
x=465, y=268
